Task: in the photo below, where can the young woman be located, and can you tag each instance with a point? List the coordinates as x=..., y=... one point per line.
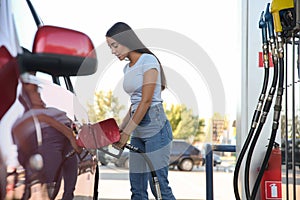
x=145, y=123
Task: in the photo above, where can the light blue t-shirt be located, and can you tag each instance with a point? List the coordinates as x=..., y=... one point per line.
x=133, y=79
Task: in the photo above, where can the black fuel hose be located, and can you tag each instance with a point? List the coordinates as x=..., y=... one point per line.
x=257, y=112
x=276, y=117
x=268, y=102
x=152, y=169
x=263, y=118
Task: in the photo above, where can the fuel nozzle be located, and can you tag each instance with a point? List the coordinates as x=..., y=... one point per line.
x=263, y=26
x=276, y=7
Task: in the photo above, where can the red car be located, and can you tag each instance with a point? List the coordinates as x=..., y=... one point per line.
x=56, y=51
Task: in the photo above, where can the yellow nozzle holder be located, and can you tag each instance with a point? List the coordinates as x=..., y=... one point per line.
x=276, y=6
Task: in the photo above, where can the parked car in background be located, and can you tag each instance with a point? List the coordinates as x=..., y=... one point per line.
x=103, y=155
x=297, y=153
x=184, y=156
x=216, y=159
x=102, y=158
x=123, y=161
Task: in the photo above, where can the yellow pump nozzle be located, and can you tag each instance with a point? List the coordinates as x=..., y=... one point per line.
x=276, y=6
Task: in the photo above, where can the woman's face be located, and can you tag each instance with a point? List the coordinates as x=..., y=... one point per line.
x=117, y=49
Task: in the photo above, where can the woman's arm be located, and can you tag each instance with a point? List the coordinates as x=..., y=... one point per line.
x=125, y=120
x=149, y=83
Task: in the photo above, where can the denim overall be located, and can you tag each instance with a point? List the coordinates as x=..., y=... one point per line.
x=152, y=136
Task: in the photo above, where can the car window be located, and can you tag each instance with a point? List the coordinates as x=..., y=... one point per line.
x=179, y=147
x=21, y=14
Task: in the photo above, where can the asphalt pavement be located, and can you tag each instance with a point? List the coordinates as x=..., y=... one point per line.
x=114, y=184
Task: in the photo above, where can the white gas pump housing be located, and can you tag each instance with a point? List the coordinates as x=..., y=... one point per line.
x=251, y=83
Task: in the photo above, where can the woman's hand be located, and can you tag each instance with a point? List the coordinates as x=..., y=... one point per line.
x=122, y=142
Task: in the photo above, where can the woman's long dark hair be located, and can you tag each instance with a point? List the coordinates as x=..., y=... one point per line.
x=123, y=34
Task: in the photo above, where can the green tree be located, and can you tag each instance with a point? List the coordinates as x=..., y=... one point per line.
x=200, y=133
x=184, y=124
x=105, y=106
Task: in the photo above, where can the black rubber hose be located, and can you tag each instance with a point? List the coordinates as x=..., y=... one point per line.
x=268, y=103
x=257, y=112
x=277, y=110
x=262, y=121
x=96, y=183
x=286, y=121
x=152, y=169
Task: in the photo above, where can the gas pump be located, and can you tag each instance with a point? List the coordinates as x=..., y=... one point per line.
x=268, y=179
